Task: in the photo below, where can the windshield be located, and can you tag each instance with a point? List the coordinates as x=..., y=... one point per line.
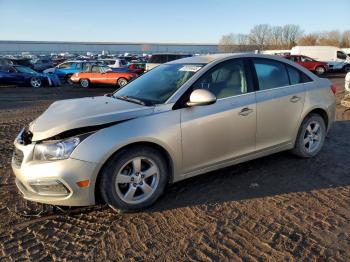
x=156, y=86
x=23, y=69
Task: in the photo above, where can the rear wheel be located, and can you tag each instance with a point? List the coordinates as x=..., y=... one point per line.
x=122, y=82
x=311, y=136
x=320, y=70
x=133, y=179
x=35, y=82
x=84, y=83
x=346, y=68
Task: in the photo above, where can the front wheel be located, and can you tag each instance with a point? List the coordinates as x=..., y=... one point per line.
x=311, y=136
x=122, y=82
x=133, y=179
x=35, y=82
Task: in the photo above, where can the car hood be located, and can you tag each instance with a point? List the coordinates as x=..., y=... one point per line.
x=70, y=114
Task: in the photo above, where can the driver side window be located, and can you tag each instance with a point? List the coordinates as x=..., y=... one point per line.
x=225, y=80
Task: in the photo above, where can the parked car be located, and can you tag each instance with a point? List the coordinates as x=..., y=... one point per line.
x=138, y=68
x=158, y=59
x=102, y=75
x=114, y=63
x=5, y=61
x=22, y=61
x=67, y=69
x=21, y=75
x=319, y=68
x=333, y=56
x=41, y=64
x=181, y=119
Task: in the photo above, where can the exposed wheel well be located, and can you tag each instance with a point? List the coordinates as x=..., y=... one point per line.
x=159, y=148
x=322, y=113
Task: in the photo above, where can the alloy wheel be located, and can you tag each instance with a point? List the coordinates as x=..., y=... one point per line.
x=84, y=83
x=320, y=70
x=137, y=180
x=35, y=82
x=312, y=137
x=122, y=82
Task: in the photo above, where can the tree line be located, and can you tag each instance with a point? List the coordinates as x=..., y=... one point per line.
x=264, y=36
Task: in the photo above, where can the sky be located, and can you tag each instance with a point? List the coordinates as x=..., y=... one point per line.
x=164, y=21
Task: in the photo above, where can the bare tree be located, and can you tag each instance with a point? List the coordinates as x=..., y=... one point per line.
x=227, y=43
x=242, y=42
x=332, y=38
x=290, y=35
x=309, y=39
x=281, y=37
x=260, y=36
x=345, y=41
x=276, y=37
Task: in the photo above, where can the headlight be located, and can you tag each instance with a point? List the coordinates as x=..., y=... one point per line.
x=56, y=150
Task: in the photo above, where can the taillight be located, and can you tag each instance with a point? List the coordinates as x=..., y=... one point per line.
x=334, y=88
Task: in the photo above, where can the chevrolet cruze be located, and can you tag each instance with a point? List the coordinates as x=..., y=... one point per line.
x=179, y=120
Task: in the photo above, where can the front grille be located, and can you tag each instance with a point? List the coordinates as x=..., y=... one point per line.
x=17, y=158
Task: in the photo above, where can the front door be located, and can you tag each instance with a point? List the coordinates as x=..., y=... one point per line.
x=217, y=133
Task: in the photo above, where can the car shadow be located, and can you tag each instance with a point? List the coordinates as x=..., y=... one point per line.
x=277, y=174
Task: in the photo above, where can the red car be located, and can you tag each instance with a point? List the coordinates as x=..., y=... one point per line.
x=319, y=68
x=138, y=68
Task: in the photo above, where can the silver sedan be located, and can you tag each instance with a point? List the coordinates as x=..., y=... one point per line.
x=181, y=119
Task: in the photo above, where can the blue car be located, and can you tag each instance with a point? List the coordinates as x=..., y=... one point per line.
x=121, y=69
x=67, y=69
x=22, y=75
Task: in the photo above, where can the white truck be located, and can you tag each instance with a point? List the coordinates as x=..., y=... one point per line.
x=336, y=58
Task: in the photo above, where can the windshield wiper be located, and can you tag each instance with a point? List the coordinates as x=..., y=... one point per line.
x=131, y=99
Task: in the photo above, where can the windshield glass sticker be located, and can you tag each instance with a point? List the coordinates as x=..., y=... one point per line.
x=190, y=68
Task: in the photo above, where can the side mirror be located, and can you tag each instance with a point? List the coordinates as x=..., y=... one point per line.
x=201, y=97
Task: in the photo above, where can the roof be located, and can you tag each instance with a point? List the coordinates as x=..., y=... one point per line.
x=206, y=59
x=203, y=59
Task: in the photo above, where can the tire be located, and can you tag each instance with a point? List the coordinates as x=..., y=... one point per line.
x=346, y=68
x=35, y=82
x=320, y=70
x=122, y=82
x=67, y=78
x=84, y=83
x=128, y=175
x=311, y=136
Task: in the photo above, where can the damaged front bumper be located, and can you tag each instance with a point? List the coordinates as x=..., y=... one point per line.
x=52, y=182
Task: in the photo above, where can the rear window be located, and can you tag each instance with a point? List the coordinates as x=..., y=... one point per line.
x=65, y=65
x=297, y=77
x=271, y=74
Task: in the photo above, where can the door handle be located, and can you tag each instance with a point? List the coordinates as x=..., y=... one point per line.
x=245, y=111
x=295, y=99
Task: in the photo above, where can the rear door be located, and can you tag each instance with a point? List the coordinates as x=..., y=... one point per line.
x=280, y=101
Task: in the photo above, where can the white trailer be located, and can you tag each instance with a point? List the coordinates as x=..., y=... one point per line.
x=333, y=56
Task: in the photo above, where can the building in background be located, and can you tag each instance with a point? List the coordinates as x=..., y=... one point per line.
x=48, y=47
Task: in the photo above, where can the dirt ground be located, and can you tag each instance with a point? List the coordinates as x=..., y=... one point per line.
x=271, y=209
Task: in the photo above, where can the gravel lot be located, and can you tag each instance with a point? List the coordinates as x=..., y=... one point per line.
x=275, y=208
